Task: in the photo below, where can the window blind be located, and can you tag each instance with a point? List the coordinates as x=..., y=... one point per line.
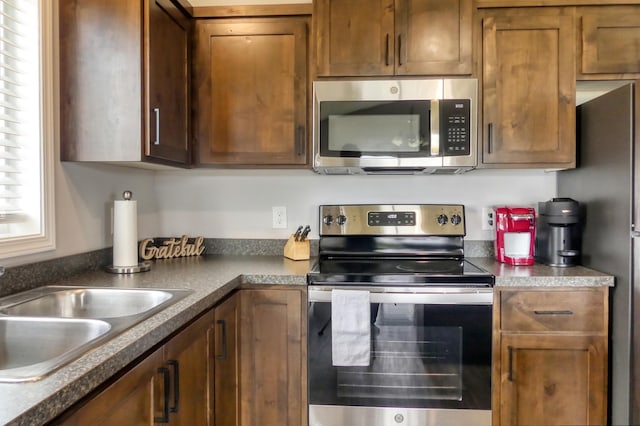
x=19, y=107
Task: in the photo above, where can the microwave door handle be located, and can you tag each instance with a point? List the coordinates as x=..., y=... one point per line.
x=434, y=124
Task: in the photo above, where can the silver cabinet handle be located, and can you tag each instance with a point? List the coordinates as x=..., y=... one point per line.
x=157, y=112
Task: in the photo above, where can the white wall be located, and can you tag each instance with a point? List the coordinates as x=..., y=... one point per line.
x=237, y=204
x=84, y=195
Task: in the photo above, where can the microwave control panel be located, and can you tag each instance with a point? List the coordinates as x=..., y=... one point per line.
x=455, y=126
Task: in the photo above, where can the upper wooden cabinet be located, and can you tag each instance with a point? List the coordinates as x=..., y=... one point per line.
x=250, y=92
x=168, y=104
x=387, y=37
x=124, y=81
x=609, y=42
x=528, y=84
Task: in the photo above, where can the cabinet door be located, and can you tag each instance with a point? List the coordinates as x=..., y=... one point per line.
x=433, y=36
x=250, y=92
x=528, y=89
x=273, y=383
x=553, y=380
x=128, y=401
x=610, y=41
x=100, y=80
x=354, y=37
x=227, y=318
x=167, y=67
x=187, y=357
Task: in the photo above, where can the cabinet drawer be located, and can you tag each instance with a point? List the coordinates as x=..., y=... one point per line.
x=579, y=310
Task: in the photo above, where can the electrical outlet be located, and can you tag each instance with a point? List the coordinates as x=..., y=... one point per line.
x=488, y=218
x=279, y=217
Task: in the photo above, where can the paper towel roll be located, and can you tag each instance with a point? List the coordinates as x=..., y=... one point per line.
x=125, y=233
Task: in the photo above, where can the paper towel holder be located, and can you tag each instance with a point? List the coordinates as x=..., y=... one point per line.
x=140, y=267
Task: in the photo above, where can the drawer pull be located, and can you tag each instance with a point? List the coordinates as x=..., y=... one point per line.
x=566, y=312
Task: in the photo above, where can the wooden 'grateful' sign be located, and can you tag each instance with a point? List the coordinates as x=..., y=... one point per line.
x=171, y=248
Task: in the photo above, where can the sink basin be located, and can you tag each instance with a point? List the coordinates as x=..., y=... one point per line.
x=32, y=347
x=47, y=327
x=90, y=303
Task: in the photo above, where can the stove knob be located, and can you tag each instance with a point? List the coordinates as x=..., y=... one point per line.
x=342, y=219
x=328, y=220
x=456, y=219
x=442, y=219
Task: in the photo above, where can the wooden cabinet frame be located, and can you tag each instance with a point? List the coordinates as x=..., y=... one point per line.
x=528, y=113
x=550, y=364
x=393, y=37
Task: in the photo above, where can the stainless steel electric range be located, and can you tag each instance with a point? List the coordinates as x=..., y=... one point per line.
x=399, y=321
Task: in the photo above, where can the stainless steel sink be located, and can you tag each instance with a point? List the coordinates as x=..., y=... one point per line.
x=31, y=347
x=47, y=327
x=90, y=303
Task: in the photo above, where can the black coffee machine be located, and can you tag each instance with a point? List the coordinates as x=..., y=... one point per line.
x=559, y=233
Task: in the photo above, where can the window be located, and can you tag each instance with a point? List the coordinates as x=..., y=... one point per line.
x=26, y=127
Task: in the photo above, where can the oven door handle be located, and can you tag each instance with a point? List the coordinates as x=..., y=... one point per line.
x=417, y=297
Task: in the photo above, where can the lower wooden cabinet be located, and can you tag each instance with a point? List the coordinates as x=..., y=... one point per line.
x=226, y=362
x=128, y=401
x=187, y=358
x=272, y=358
x=241, y=363
x=171, y=386
x=550, y=357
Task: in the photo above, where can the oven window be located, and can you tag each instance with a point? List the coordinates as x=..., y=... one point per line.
x=422, y=356
x=358, y=128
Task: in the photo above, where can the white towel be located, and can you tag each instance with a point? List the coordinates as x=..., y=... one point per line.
x=350, y=328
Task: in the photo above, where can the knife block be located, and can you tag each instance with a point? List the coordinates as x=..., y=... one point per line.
x=296, y=250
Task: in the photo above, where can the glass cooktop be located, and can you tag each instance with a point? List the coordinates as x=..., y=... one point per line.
x=398, y=271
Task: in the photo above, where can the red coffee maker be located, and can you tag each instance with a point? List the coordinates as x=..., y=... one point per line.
x=515, y=235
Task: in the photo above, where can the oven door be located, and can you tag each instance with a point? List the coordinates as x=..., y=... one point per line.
x=430, y=360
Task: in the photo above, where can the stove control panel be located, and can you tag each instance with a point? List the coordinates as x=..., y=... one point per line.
x=392, y=219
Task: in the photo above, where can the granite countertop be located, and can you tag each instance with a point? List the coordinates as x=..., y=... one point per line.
x=539, y=275
x=210, y=278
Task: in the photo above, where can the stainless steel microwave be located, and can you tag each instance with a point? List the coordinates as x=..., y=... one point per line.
x=412, y=126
